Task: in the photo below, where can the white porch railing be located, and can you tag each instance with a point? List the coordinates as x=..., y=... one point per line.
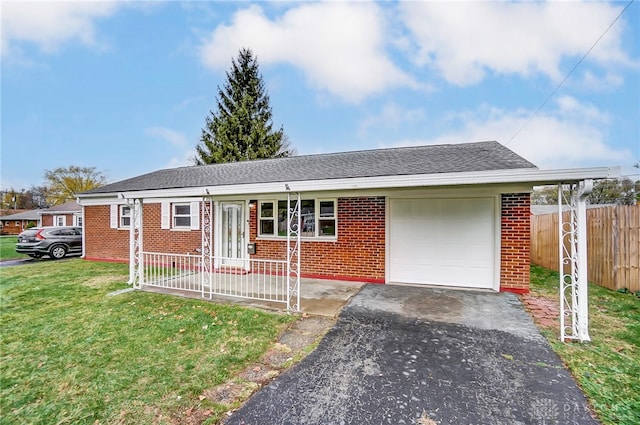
x=264, y=280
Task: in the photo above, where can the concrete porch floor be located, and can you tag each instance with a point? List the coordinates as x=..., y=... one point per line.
x=317, y=296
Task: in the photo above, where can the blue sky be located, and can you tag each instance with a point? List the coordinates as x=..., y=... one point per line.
x=125, y=86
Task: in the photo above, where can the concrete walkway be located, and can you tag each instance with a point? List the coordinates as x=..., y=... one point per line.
x=407, y=355
x=317, y=296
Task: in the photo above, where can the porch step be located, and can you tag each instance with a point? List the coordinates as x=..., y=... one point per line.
x=231, y=270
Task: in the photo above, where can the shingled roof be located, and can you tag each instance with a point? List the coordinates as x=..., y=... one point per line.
x=430, y=159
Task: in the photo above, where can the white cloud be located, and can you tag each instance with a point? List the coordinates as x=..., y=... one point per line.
x=561, y=138
x=175, y=138
x=185, y=152
x=50, y=24
x=392, y=116
x=465, y=41
x=339, y=46
x=183, y=160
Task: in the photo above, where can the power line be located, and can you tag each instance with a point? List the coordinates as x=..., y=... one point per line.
x=568, y=74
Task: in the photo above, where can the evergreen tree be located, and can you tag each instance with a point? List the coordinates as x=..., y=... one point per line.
x=241, y=129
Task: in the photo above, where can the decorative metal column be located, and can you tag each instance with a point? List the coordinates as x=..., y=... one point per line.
x=136, y=267
x=293, y=251
x=207, y=240
x=572, y=247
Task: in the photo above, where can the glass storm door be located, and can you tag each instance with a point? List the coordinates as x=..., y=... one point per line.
x=232, y=220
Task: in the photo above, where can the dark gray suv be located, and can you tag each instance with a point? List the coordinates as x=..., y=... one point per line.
x=55, y=242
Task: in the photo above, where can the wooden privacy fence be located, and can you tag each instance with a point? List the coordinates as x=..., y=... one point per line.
x=613, y=245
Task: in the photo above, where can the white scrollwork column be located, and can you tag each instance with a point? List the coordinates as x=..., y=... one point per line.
x=136, y=266
x=572, y=246
x=293, y=251
x=207, y=240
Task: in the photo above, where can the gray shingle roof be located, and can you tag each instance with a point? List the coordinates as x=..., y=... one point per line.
x=67, y=207
x=430, y=159
x=25, y=215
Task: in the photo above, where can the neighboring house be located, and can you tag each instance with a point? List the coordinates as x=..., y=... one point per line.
x=453, y=215
x=68, y=214
x=13, y=224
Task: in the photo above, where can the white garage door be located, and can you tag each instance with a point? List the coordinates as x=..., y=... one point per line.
x=442, y=241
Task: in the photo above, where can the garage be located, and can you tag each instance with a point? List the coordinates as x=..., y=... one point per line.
x=449, y=242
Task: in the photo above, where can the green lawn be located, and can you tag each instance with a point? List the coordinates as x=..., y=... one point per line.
x=8, y=248
x=70, y=354
x=607, y=368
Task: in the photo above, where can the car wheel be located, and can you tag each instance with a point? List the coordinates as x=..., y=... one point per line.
x=57, y=252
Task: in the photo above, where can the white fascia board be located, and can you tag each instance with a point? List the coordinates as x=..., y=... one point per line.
x=532, y=176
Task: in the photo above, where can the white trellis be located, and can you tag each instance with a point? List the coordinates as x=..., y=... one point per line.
x=136, y=277
x=206, y=253
x=293, y=251
x=572, y=234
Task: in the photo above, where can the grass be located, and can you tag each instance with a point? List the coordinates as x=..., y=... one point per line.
x=607, y=368
x=8, y=248
x=70, y=354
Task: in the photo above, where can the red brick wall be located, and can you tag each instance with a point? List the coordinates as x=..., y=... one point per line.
x=9, y=227
x=515, y=241
x=103, y=242
x=358, y=254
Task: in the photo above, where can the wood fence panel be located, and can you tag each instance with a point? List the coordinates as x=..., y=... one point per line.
x=613, y=245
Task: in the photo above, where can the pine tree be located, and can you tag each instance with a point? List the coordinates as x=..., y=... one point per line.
x=242, y=128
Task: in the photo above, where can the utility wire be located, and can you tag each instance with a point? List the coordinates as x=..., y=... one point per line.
x=568, y=74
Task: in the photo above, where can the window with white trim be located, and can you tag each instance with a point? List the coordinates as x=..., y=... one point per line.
x=125, y=216
x=327, y=219
x=59, y=220
x=272, y=218
x=182, y=216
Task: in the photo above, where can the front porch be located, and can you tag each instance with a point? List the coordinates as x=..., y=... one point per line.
x=317, y=296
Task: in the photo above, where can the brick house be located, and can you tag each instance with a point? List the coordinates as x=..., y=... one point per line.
x=452, y=215
x=15, y=222
x=67, y=214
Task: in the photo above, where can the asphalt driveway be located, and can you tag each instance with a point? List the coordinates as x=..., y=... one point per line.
x=406, y=355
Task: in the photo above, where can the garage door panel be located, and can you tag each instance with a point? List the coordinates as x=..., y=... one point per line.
x=442, y=241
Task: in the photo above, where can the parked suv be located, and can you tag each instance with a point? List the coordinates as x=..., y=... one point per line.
x=55, y=242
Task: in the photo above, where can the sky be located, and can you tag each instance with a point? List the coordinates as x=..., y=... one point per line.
x=125, y=87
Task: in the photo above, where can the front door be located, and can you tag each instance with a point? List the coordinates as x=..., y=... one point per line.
x=232, y=231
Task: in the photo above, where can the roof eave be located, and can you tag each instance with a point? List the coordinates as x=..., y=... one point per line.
x=532, y=176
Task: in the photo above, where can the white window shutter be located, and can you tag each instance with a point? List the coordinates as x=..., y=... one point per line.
x=195, y=215
x=64, y=220
x=165, y=215
x=113, y=218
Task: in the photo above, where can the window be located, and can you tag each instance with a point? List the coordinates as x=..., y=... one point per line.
x=125, y=216
x=59, y=221
x=182, y=215
x=78, y=221
x=266, y=218
x=327, y=220
x=272, y=221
